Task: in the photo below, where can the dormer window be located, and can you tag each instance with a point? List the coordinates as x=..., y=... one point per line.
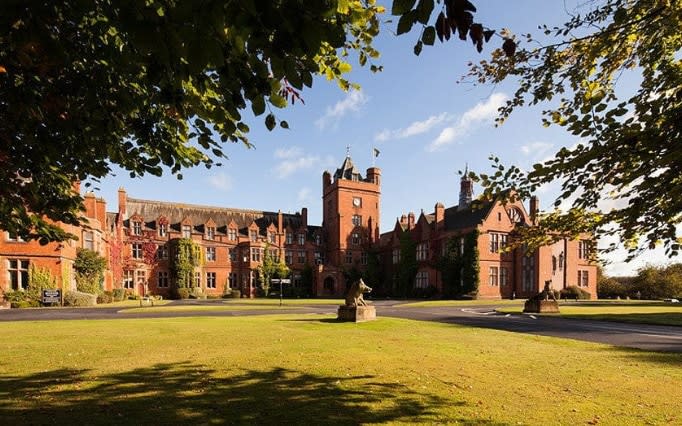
x=163, y=229
x=186, y=231
x=290, y=238
x=301, y=239
x=210, y=233
x=272, y=237
x=232, y=234
x=137, y=228
x=253, y=234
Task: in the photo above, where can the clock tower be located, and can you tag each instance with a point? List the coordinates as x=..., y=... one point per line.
x=350, y=213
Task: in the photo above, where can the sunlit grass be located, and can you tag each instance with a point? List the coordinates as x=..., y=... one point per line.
x=462, y=303
x=623, y=311
x=292, y=369
x=205, y=308
x=274, y=301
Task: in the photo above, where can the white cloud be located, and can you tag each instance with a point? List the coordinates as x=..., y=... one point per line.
x=353, y=101
x=303, y=195
x=294, y=159
x=536, y=149
x=471, y=119
x=415, y=128
x=220, y=181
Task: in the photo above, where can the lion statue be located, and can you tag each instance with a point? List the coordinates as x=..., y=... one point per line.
x=354, y=297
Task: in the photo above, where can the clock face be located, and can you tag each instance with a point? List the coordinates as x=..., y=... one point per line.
x=514, y=215
x=357, y=202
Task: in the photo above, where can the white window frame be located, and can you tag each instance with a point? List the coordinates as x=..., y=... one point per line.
x=211, y=254
x=18, y=268
x=211, y=280
x=493, y=276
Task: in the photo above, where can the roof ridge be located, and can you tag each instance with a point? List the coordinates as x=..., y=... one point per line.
x=205, y=207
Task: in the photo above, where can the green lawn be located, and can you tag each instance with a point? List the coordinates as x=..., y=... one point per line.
x=273, y=302
x=460, y=303
x=205, y=308
x=290, y=369
x=623, y=311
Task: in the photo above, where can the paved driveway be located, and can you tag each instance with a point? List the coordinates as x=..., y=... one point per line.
x=648, y=337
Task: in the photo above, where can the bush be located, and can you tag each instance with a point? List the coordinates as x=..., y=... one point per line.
x=197, y=293
x=119, y=294
x=183, y=293
x=609, y=288
x=77, y=298
x=234, y=294
x=574, y=292
x=25, y=304
x=105, y=297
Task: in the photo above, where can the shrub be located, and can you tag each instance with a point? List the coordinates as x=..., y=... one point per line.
x=234, y=294
x=197, y=293
x=14, y=296
x=183, y=293
x=574, y=292
x=25, y=304
x=105, y=297
x=609, y=288
x=77, y=298
x=119, y=294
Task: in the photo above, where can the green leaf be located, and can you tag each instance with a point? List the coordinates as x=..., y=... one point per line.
x=258, y=105
x=405, y=23
x=418, y=47
x=400, y=7
x=429, y=36
x=270, y=122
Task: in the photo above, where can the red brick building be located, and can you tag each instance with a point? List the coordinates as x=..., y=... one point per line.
x=501, y=274
x=17, y=256
x=138, y=241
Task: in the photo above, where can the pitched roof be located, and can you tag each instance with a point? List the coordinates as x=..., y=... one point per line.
x=466, y=218
x=199, y=215
x=347, y=171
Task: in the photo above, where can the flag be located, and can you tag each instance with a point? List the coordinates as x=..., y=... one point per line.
x=376, y=152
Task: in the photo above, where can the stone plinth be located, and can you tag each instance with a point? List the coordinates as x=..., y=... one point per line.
x=541, y=307
x=357, y=313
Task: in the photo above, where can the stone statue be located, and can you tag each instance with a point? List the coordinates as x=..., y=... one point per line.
x=543, y=302
x=354, y=296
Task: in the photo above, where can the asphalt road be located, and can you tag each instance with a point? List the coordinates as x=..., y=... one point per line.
x=640, y=336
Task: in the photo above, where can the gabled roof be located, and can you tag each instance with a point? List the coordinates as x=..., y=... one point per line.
x=468, y=217
x=199, y=215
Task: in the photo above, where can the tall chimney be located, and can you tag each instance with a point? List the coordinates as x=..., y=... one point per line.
x=122, y=201
x=534, y=208
x=304, y=217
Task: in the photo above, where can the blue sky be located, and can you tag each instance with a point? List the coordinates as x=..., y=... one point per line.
x=426, y=125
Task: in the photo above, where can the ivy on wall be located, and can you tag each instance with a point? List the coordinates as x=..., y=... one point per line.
x=460, y=267
x=407, y=267
x=186, y=257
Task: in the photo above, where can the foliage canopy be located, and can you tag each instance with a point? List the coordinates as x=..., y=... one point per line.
x=148, y=86
x=624, y=175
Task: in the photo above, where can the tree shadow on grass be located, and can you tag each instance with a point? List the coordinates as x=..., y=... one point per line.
x=183, y=393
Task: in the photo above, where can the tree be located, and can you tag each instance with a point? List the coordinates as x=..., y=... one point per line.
x=628, y=150
x=150, y=86
x=89, y=267
x=272, y=267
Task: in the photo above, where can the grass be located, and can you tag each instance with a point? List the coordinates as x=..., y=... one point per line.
x=275, y=302
x=460, y=303
x=288, y=369
x=658, y=313
x=131, y=304
x=205, y=308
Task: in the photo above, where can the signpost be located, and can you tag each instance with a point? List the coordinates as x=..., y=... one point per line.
x=280, y=281
x=52, y=296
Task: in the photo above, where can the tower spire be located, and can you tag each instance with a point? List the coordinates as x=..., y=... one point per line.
x=466, y=190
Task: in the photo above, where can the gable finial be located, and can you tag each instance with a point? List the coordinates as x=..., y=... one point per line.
x=347, y=151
